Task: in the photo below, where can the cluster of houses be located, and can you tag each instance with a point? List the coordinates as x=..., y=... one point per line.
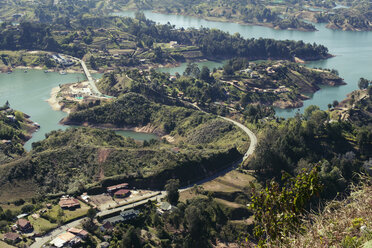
x=60, y=59
x=22, y=226
x=72, y=237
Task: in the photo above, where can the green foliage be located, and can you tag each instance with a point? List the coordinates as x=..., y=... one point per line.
x=277, y=210
x=172, y=191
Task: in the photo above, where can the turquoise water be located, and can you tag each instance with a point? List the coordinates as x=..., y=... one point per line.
x=353, y=51
x=137, y=135
x=28, y=93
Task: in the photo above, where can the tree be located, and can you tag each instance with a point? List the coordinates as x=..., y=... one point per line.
x=172, y=191
x=19, y=115
x=363, y=83
x=335, y=103
x=277, y=210
x=91, y=213
x=192, y=70
x=205, y=74
x=131, y=238
x=228, y=70
x=309, y=110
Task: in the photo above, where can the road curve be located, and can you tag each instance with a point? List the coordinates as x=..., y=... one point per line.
x=252, y=137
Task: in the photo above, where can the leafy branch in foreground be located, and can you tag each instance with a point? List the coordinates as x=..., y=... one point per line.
x=278, y=211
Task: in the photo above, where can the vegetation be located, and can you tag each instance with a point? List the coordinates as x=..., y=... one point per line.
x=79, y=163
x=238, y=11
x=231, y=88
x=345, y=223
x=15, y=130
x=278, y=212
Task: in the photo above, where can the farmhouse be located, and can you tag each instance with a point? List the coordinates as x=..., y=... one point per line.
x=12, y=237
x=24, y=225
x=69, y=203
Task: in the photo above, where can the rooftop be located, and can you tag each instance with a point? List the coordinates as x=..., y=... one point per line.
x=11, y=236
x=122, y=192
x=119, y=186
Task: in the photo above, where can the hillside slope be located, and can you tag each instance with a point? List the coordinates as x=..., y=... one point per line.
x=86, y=158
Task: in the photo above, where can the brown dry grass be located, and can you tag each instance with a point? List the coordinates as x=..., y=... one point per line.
x=232, y=181
x=346, y=223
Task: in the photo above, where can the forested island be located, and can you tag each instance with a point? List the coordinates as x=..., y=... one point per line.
x=138, y=42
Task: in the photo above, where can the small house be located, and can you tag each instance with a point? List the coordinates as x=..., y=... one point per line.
x=106, y=227
x=129, y=214
x=78, y=232
x=11, y=118
x=12, y=237
x=64, y=239
x=164, y=207
x=69, y=203
x=122, y=193
x=24, y=225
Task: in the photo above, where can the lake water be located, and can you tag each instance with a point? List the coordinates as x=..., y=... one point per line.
x=28, y=93
x=353, y=51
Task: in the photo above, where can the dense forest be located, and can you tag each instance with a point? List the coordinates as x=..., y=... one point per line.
x=212, y=43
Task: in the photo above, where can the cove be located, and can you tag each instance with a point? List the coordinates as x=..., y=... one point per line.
x=353, y=51
x=28, y=93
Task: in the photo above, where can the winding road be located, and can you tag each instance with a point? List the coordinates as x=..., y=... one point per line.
x=252, y=146
x=162, y=194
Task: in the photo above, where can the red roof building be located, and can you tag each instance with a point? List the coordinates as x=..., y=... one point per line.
x=122, y=193
x=116, y=187
x=69, y=203
x=79, y=232
x=12, y=237
x=24, y=225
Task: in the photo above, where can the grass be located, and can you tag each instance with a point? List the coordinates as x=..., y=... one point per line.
x=17, y=190
x=231, y=182
x=5, y=245
x=41, y=225
x=346, y=223
x=68, y=215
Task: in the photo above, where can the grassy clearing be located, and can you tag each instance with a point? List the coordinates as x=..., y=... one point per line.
x=17, y=190
x=231, y=182
x=41, y=225
x=68, y=215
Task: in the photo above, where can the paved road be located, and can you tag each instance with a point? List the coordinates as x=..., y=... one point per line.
x=252, y=137
x=157, y=195
x=252, y=146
